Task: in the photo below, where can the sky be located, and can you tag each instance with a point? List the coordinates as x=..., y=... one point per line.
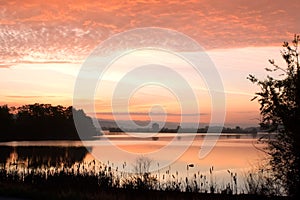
x=43, y=46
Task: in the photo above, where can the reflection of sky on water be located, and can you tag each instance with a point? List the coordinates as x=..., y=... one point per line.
x=231, y=151
x=235, y=152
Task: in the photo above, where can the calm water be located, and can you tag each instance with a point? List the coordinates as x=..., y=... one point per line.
x=238, y=153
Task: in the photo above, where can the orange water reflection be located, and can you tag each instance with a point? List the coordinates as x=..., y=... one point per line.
x=233, y=152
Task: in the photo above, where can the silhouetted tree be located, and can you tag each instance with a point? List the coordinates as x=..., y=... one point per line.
x=44, y=122
x=6, y=122
x=84, y=124
x=280, y=109
x=142, y=179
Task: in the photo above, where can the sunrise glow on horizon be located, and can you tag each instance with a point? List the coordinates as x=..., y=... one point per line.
x=44, y=45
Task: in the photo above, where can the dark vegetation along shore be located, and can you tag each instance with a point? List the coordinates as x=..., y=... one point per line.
x=237, y=129
x=43, y=122
x=62, y=173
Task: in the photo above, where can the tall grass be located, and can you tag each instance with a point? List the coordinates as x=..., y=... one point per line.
x=94, y=176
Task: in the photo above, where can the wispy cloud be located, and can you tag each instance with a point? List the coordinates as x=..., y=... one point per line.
x=5, y=65
x=55, y=30
x=29, y=97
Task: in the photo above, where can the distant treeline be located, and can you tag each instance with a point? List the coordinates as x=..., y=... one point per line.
x=43, y=122
x=237, y=129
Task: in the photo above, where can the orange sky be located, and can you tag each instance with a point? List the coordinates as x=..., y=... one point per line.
x=43, y=44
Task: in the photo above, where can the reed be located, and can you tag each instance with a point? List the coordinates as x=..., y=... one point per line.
x=94, y=177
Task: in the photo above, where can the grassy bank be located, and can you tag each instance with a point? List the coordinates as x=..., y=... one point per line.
x=104, y=183
x=68, y=193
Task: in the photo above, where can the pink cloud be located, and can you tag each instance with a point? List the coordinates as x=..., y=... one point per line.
x=56, y=30
x=5, y=65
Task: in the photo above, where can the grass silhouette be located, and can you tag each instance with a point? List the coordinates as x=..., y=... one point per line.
x=97, y=180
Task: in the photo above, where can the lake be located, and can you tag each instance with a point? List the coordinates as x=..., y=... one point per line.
x=171, y=156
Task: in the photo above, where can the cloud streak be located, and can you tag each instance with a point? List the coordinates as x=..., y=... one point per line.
x=30, y=97
x=56, y=31
x=5, y=65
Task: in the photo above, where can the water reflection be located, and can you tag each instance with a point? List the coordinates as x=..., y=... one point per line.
x=41, y=156
x=5, y=152
x=234, y=152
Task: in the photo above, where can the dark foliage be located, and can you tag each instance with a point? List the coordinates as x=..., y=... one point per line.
x=280, y=109
x=43, y=122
